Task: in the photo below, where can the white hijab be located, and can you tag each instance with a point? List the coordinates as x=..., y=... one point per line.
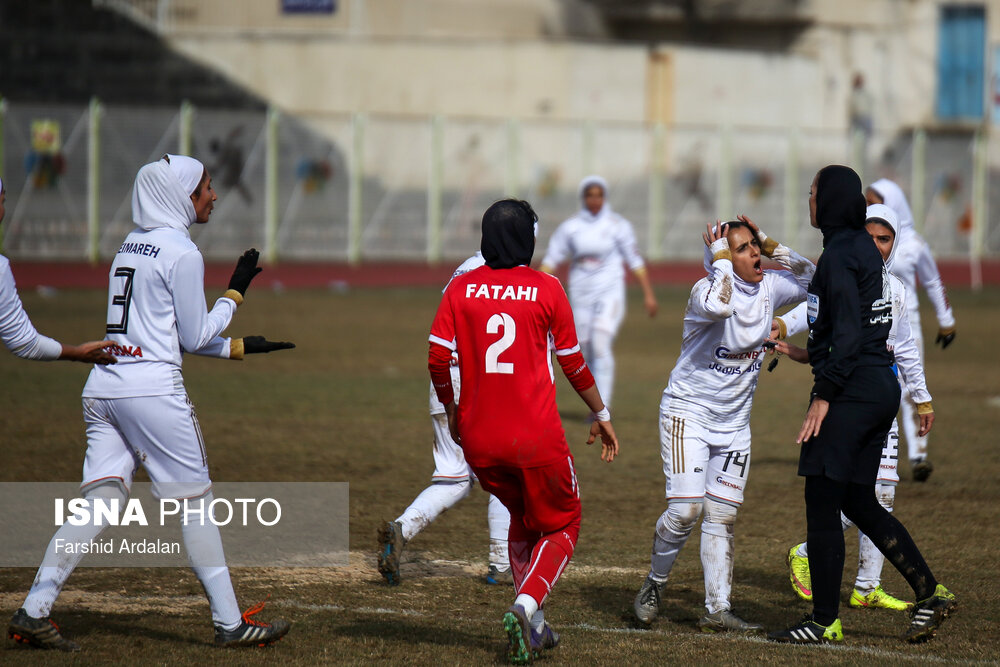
x=593, y=179
x=893, y=197
x=162, y=193
x=884, y=214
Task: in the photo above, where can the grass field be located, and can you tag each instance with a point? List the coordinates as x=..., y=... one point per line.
x=350, y=404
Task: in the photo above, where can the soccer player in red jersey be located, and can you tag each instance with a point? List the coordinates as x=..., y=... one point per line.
x=501, y=318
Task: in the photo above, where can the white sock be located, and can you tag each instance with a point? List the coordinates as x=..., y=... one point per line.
x=429, y=505
x=499, y=521
x=671, y=535
x=56, y=567
x=537, y=620
x=717, y=554
x=803, y=550
x=203, y=544
x=528, y=603
x=870, y=559
x=602, y=364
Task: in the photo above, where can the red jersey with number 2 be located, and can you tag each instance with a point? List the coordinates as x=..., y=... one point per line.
x=499, y=320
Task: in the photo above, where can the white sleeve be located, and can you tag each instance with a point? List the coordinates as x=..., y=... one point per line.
x=625, y=240
x=17, y=331
x=908, y=356
x=558, y=250
x=930, y=278
x=711, y=298
x=795, y=320
x=217, y=347
x=801, y=268
x=196, y=328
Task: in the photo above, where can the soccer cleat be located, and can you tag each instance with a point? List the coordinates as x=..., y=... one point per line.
x=495, y=577
x=798, y=573
x=808, y=631
x=922, y=469
x=545, y=640
x=927, y=616
x=390, y=547
x=38, y=632
x=727, y=621
x=251, y=632
x=647, y=602
x=878, y=599
x=515, y=624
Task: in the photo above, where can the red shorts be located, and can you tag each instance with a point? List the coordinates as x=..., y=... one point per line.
x=541, y=500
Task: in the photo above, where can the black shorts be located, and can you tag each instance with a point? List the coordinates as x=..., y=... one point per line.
x=849, y=445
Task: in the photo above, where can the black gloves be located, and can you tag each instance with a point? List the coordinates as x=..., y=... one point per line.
x=258, y=344
x=944, y=337
x=246, y=269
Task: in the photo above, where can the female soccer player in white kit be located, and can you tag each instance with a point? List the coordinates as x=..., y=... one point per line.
x=868, y=592
x=913, y=262
x=137, y=410
x=21, y=337
x=597, y=241
x=705, y=410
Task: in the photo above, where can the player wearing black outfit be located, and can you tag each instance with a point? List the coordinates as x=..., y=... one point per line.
x=854, y=399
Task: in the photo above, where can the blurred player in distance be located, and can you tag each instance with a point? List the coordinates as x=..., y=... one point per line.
x=451, y=482
x=598, y=242
x=704, y=417
x=881, y=223
x=914, y=264
x=21, y=337
x=500, y=319
x=137, y=410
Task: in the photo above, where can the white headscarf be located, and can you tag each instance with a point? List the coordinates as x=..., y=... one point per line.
x=893, y=197
x=162, y=193
x=884, y=214
x=593, y=179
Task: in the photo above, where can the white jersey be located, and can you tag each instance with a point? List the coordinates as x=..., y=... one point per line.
x=156, y=312
x=900, y=341
x=596, y=246
x=725, y=324
x=16, y=330
x=912, y=262
x=436, y=407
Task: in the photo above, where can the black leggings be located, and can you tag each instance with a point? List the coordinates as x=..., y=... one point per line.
x=825, y=499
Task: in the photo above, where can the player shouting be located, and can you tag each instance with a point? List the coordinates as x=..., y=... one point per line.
x=137, y=410
x=500, y=318
x=705, y=410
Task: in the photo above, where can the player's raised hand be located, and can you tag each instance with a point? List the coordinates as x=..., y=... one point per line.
x=93, y=352
x=717, y=234
x=246, y=269
x=259, y=344
x=609, y=441
x=945, y=337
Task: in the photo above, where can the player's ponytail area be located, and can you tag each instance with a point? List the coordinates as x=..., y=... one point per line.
x=352, y=408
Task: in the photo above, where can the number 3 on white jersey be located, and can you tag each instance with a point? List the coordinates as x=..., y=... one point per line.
x=494, y=351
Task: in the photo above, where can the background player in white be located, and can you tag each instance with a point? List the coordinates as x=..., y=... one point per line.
x=137, y=410
x=705, y=409
x=882, y=224
x=21, y=337
x=914, y=262
x=596, y=242
x=450, y=483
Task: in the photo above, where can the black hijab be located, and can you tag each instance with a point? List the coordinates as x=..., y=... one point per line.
x=840, y=199
x=508, y=234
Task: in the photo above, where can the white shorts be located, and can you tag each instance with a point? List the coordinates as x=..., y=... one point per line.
x=603, y=313
x=449, y=459
x=888, y=467
x=161, y=433
x=699, y=462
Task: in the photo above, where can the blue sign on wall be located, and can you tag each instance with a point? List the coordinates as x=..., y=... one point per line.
x=308, y=6
x=961, y=62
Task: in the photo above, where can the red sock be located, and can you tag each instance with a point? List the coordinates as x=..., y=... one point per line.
x=548, y=560
x=519, y=553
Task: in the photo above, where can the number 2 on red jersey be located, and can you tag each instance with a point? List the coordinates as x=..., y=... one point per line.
x=497, y=322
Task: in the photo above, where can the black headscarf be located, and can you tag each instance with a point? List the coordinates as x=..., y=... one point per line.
x=840, y=199
x=508, y=234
